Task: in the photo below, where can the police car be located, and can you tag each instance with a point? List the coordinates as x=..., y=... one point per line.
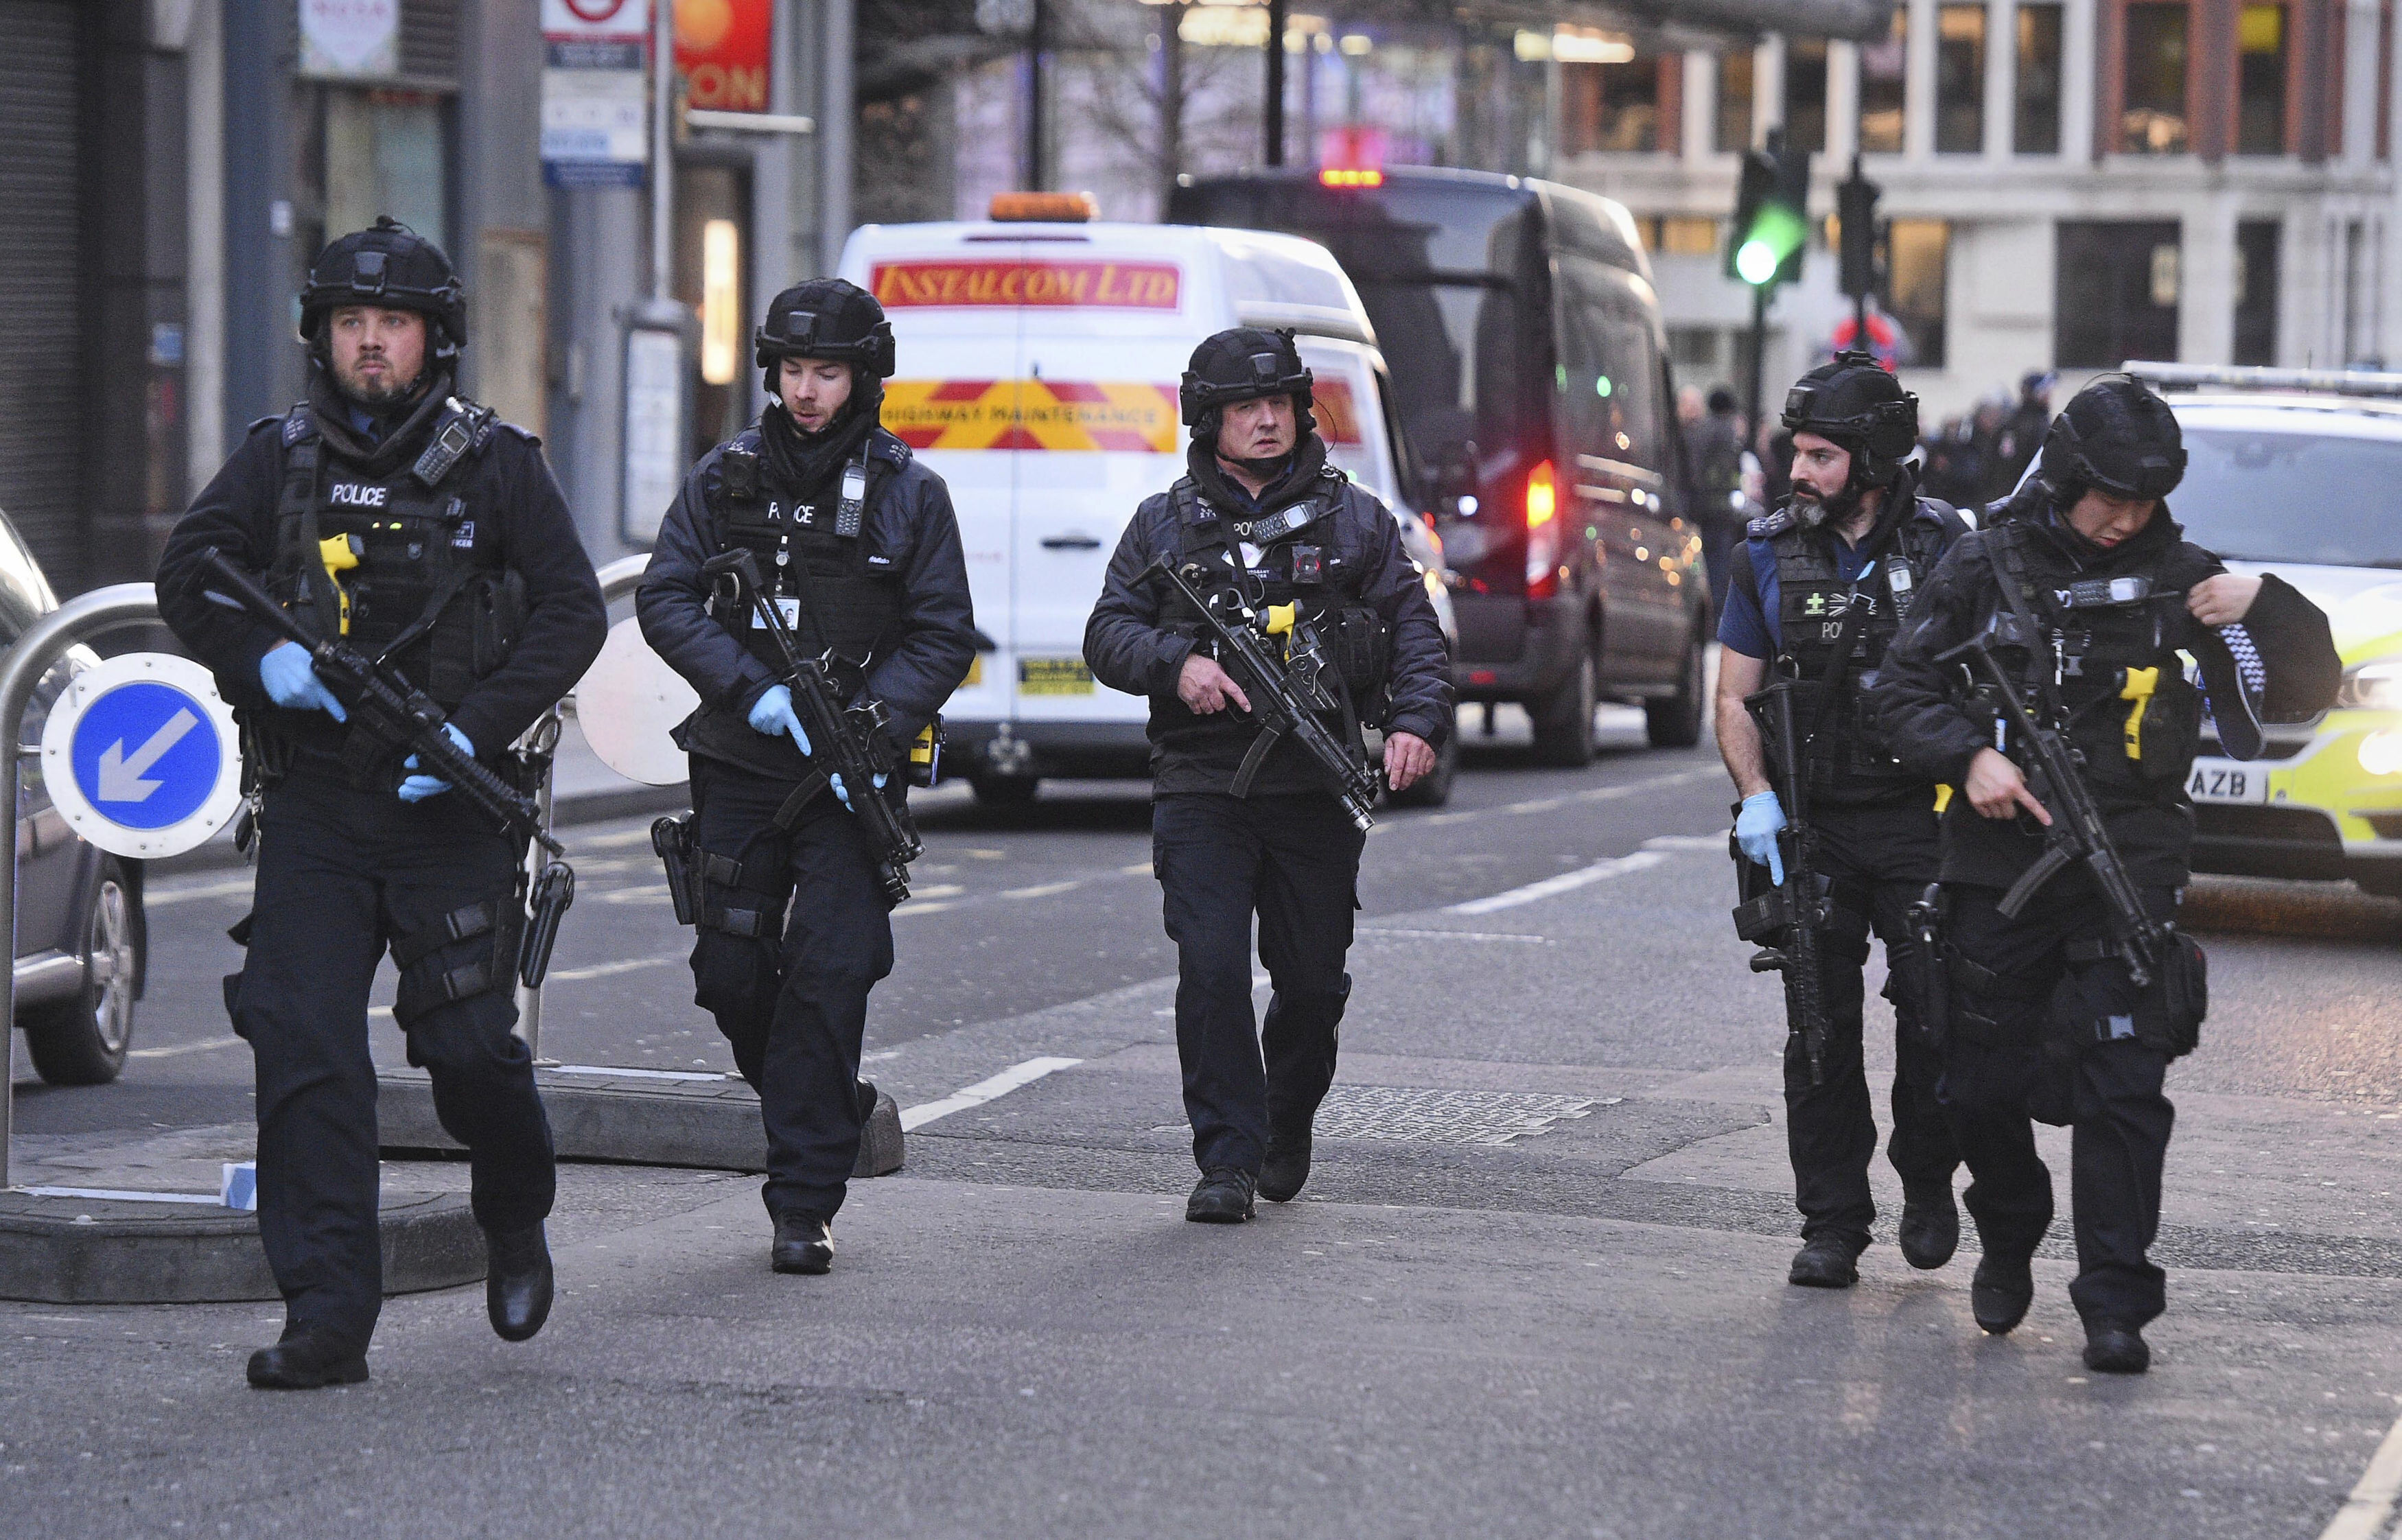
x=2299, y=473
x=1040, y=354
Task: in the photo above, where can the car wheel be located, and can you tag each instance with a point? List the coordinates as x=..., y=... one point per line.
x=1676, y=723
x=1563, y=722
x=1004, y=791
x=1433, y=789
x=83, y=1040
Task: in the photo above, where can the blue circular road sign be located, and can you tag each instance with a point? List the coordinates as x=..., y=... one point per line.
x=140, y=755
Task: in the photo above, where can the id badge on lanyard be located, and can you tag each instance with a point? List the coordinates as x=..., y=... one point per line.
x=786, y=605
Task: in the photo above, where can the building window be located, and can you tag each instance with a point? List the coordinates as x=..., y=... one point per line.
x=1917, y=268
x=1960, y=79
x=1681, y=235
x=2152, y=117
x=2036, y=115
x=1734, y=100
x=2261, y=89
x=1614, y=108
x=1883, y=63
x=384, y=153
x=2256, y=291
x=2114, y=291
x=1806, y=94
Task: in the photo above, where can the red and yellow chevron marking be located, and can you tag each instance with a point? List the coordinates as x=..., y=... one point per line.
x=1031, y=414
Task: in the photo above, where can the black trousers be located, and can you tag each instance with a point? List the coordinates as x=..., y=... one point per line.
x=1294, y=861
x=791, y=995
x=342, y=874
x=2041, y=1035
x=1877, y=860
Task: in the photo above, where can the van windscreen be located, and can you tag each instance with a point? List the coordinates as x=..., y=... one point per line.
x=1438, y=266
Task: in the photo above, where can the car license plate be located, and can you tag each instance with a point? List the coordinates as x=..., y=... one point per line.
x=2227, y=780
x=1054, y=676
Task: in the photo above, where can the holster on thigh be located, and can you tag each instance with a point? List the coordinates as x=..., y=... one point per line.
x=1992, y=1012
x=1845, y=935
x=470, y=951
x=734, y=902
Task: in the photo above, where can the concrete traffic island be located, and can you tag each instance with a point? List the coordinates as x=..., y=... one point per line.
x=634, y=1117
x=112, y=1251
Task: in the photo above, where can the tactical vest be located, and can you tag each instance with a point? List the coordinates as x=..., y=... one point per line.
x=2108, y=649
x=1299, y=567
x=1811, y=605
x=398, y=564
x=837, y=592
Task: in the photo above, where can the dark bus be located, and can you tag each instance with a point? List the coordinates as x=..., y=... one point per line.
x=1537, y=419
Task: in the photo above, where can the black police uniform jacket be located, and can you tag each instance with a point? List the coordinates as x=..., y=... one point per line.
x=1132, y=642
x=905, y=568
x=2138, y=732
x=496, y=514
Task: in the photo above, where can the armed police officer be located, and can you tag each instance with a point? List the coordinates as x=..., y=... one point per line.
x=2053, y=636
x=388, y=512
x=859, y=550
x=1302, y=566
x=1818, y=589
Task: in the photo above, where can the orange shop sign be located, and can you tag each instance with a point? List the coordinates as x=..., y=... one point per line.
x=720, y=50
x=1096, y=285
x=1031, y=414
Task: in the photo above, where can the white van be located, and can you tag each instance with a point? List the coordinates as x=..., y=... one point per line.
x=1038, y=370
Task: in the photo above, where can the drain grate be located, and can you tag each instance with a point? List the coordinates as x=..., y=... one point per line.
x=1442, y=1117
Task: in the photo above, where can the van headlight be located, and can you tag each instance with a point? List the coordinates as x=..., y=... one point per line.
x=2375, y=686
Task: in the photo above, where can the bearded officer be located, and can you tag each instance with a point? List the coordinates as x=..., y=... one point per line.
x=2087, y=591
x=1819, y=588
x=862, y=549
x=1258, y=489
x=417, y=525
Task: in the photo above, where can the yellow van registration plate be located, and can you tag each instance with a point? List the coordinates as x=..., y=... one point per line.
x=1054, y=676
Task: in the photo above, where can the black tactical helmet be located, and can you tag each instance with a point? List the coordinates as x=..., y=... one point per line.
x=391, y=266
x=1243, y=363
x=825, y=317
x=1854, y=402
x=2116, y=436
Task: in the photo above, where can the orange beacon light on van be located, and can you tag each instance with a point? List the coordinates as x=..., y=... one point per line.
x=1043, y=208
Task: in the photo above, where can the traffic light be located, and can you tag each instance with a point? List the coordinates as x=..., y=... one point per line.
x=1771, y=221
x=1856, y=202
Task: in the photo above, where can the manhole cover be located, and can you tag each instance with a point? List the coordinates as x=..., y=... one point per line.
x=1442, y=1116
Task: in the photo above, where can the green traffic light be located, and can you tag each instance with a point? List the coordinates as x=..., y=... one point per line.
x=1756, y=261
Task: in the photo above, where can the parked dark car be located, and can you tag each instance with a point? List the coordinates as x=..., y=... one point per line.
x=81, y=940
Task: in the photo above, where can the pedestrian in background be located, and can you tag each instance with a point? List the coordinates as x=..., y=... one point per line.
x=1714, y=452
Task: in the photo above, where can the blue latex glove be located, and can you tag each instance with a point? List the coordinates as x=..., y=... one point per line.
x=842, y=792
x=419, y=786
x=773, y=714
x=292, y=684
x=1755, y=831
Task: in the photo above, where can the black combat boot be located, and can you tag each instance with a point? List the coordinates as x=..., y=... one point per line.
x=1287, y=1166
x=1222, y=1197
x=1825, y=1261
x=1930, y=1231
x=308, y=1359
x=804, y=1244
x=2114, y=1349
x=516, y=1281
x=2000, y=1292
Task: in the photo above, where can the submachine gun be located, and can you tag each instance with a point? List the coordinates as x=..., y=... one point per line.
x=383, y=702
x=1287, y=694
x=854, y=742
x=1786, y=919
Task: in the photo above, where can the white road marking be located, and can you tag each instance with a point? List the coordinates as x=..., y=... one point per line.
x=2363, y=1512
x=611, y=841
x=939, y=890
x=984, y=1090
x=206, y=1199
x=172, y=1051
x=605, y=1070
x=1460, y=935
x=1687, y=842
x=1043, y=890
x=1140, y=869
x=602, y=970
x=1567, y=882
x=656, y=892
x=914, y=907
x=223, y=887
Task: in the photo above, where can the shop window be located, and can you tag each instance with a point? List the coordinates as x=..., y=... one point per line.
x=2256, y=291
x=1681, y=235
x=2114, y=291
x=1960, y=79
x=2152, y=114
x=1806, y=94
x=1882, y=65
x=1918, y=260
x=1734, y=100
x=2035, y=125
x=2261, y=81
x=384, y=154
x=1614, y=108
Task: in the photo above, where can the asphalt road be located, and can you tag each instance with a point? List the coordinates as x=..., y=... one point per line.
x=1535, y=1287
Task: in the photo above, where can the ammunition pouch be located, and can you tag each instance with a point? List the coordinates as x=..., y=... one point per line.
x=433, y=972
x=2169, y=1016
x=1360, y=645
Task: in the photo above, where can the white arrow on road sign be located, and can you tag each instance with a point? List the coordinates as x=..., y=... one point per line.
x=120, y=778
